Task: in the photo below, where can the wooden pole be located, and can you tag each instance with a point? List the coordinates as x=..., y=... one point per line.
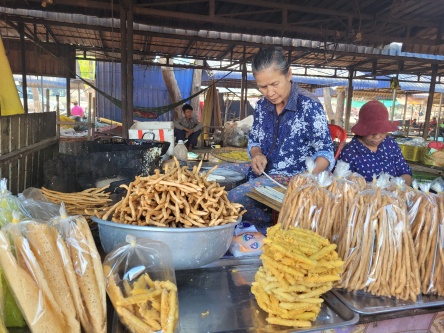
x=349, y=100
x=130, y=80
x=23, y=61
x=124, y=68
x=403, y=117
x=430, y=101
x=392, y=116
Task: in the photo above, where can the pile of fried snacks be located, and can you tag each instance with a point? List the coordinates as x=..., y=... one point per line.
x=298, y=267
x=177, y=198
x=426, y=216
x=77, y=202
x=144, y=305
x=377, y=247
x=236, y=155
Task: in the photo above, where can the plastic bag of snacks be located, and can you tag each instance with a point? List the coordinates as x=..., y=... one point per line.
x=378, y=248
x=312, y=206
x=36, y=274
x=345, y=186
x=83, y=267
x=141, y=284
x=426, y=216
x=8, y=204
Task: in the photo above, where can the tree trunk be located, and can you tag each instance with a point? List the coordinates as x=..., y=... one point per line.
x=172, y=87
x=340, y=105
x=327, y=103
x=196, y=87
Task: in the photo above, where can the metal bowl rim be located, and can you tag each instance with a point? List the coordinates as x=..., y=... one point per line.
x=160, y=229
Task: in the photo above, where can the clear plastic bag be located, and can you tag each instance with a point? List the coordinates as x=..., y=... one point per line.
x=345, y=188
x=141, y=284
x=35, y=273
x=426, y=217
x=378, y=247
x=313, y=206
x=37, y=206
x=8, y=204
x=84, y=267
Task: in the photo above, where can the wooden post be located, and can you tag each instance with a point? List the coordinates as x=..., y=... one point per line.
x=124, y=68
x=392, y=116
x=23, y=61
x=403, y=117
x=47, y=100
x=130, y=80
x=349, y=99
x=425, y=134
x=68, y=96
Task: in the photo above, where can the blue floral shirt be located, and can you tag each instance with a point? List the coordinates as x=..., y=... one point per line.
x=388, y=158
x=300, y=131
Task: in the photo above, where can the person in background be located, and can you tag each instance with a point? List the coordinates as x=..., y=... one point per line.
x=372, y=151
x=77, y=110
x=187, y=127
x=415, y=123
x=289, y=125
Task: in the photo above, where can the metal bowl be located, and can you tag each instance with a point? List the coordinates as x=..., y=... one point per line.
x=190, y=247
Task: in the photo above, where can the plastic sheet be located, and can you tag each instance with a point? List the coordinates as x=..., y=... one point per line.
x=37, y=206
x=378, y=247
x=141, y=284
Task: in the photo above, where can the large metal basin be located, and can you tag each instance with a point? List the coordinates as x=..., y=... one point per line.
x=190, y=247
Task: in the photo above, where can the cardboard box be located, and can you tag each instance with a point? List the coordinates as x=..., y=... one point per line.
x=163, y=131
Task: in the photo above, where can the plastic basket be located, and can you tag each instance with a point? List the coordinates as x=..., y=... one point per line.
x=412, y=153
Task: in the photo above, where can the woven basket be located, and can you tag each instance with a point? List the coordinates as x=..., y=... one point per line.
x=223, y=154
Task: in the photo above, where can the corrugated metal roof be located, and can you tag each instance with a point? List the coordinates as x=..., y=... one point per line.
x=217, y=35
x=382, y=83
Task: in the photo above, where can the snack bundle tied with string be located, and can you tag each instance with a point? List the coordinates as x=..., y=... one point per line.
x=52, y=273
x=377, y=246
x=426, y=217
x=141, y=284
x=298, y=266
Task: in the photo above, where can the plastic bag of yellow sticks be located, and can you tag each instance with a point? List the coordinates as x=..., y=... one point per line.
x=426, y=216
x=298, y=266
x=141, y=284
x=377, y=246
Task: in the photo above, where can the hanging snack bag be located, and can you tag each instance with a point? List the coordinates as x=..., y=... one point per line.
x=8, y=204
x=84, y=270
x=141, y=284
x=377, y=246
x=426, y=216
x=310, y=206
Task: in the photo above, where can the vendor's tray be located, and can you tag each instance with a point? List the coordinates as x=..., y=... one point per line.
x=368, y=304
x=217, y=298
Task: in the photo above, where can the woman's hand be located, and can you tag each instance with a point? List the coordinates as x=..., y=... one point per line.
x=258, y=161
x=321, y=163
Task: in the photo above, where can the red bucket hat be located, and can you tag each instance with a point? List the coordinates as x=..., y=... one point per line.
x=373, y=118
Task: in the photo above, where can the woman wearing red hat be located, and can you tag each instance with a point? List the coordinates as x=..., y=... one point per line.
x=371, y=150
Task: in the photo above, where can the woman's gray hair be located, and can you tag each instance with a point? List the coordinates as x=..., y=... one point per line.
x=268, y=57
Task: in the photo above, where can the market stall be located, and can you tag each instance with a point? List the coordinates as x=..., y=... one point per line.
x=223, y=293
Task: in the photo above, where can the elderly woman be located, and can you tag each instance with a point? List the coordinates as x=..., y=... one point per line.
x=289, y=126
x=372, y=151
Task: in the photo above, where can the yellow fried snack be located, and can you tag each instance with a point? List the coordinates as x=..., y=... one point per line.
x=298, y=266
x=144, y=305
